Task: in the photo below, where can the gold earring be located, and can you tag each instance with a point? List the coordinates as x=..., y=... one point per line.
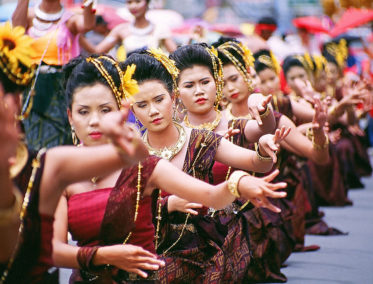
x=74, y=137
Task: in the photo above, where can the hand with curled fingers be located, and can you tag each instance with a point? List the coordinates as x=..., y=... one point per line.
x=269, y=144
x=258, y=190
x=130, y=258
x=123, y=135
x=176, y=203
x=230, y=133
x=258, y=104
x=321, y=114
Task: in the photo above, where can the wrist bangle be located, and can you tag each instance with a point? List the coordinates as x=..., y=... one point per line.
x=233, y=181
x=85, y=257
x=320, y=147
x=260, y=157
x=309, y=133
x=9, y=215
x=266, y=112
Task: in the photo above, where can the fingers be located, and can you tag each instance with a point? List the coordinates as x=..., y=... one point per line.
x=266, y=101
x=143, y=274
x=255, y=114
x=271, y=176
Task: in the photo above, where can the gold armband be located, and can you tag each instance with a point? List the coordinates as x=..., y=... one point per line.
x=260, y=157
x=266, y=112
x=320, y=147
x=233, y=181
x=9, y=215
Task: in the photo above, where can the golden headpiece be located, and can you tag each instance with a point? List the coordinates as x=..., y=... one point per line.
x=128, y=86
x=320, y=63
x=270, y=61
x=217, y=67
x=15, y=54
x=167, y=63
x=246, y=56
x=339, y=52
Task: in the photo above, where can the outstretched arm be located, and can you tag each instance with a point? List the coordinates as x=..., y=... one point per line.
x=20, y=14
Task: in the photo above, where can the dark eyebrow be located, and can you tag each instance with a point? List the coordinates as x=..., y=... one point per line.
x=204, y=78
x=157, y=97
x=231, y=76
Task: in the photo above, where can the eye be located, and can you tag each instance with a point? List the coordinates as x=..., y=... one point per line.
x=234, y=79
x=205, y=82
x=158, y=100
x=82, y=111
x=106, y=110
x=188, y=86
x=141, y=105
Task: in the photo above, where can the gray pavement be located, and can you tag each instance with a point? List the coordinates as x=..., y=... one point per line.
x=341, y=259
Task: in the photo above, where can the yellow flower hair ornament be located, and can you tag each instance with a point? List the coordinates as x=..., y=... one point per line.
x=129, y=85
x=15, y=54
x=247, y=55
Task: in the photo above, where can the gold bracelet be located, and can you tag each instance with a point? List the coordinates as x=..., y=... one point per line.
x=260, y=157
x=9, y=215
x=233, y=181
x=266, y=112
x=309, y=133
x=320, y=147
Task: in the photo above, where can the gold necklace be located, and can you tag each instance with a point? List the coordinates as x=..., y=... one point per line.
x=21, y=160
x=230, y=115
x=167, y=152
x=207, y=125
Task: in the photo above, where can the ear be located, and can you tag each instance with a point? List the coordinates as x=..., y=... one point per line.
x=69, y=116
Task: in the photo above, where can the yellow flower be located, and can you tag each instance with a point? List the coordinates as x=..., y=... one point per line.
x=247, y=55
x=129, y=85
x=15, y=45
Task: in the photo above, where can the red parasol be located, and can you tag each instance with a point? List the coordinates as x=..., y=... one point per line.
x=351, y=18
x=311, y=24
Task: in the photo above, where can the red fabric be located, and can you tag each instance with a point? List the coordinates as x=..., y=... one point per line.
x=219, y=172
x=352, y=18
x=45, y=256
x=267, y=27
x=311, y=24
x=85, y=223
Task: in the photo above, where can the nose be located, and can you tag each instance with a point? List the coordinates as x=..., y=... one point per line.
x=94, y=119
x=153, y=110
x=198, y=90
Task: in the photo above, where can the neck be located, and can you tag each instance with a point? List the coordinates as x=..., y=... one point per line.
x=240, y=108
x=50, y=6
x=141, y=22
x=165, y=138
x=199, y=118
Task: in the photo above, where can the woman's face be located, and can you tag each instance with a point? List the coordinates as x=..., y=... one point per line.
x=137, y=7
x=269, y=82
x=295, y=72
x=320, y=82
x=255, y=80
x=197, y=89
x=153, y=105
x=333, y=74
x=90, y=104
x=235, y=87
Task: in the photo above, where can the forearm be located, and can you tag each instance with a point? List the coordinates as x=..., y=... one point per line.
x=253, y=131
x=20, y=15
x=65, y=255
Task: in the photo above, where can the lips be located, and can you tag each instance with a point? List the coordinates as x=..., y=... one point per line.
x=201, y=101
x=157, y=121
x=234, y=96
x=95, y=135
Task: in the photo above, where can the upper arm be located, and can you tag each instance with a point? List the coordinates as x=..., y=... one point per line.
x=302, y=112
x=253, y=131
x=60, y=225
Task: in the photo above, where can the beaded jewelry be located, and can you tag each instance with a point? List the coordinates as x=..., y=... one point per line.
x=217, y=67
x=233, y=181
x=207, y=125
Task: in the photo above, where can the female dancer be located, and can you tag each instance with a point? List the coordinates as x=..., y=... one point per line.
x=56, y=33
x=270, y=250
x=127, y=195
x=140, y=33
x=31, y=183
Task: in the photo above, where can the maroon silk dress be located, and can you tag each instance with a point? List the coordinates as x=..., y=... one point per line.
x=106, y=216
x=34, y=256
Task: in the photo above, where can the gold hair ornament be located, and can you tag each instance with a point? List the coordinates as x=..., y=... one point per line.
x=271, y=62
x=339, y=52
x=168, y=63
x=128, y=86
x=245, y=54
x=217, y=67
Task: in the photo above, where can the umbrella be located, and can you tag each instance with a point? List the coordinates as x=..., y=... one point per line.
x=352, y=18
x=311, y=24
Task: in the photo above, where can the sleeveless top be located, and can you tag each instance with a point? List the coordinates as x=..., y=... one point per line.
x=105, y=216
x=60, y=44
